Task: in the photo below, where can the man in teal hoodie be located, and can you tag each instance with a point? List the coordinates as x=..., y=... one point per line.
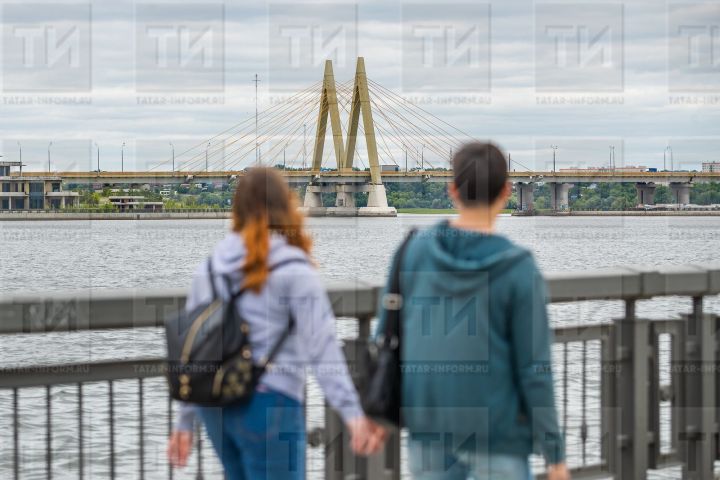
x=477, y=387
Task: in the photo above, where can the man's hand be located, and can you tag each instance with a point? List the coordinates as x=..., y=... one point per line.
x=559, y=471
x=179, y=448
x=366, y=436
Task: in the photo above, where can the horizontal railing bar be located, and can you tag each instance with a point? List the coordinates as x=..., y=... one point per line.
x=667, y=326
x=599, y=470
x=581, y=333
x=73, y=373
x=105, y=309
x=123, y=309
x=584, y=472
x=627, y=283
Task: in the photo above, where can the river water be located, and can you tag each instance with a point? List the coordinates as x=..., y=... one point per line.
x=80, y=255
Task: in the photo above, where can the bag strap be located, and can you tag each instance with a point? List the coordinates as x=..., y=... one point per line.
x=291, y=321
x=211, y=278
x=392, y=300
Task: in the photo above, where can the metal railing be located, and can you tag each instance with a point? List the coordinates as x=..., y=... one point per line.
x=612, y=413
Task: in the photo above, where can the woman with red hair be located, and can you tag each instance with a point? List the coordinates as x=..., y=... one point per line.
x=268, y=254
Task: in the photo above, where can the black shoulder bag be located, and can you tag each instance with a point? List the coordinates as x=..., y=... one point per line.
x=209, y=359
x=381, y=396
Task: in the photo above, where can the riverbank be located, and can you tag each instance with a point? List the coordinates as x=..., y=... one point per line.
x=226, y=214
x=39, y=216
x=627, y=213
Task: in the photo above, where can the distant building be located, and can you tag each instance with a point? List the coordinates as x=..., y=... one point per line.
x=32, y=193
x=624, y=169
x=127, y=203
x=711, y=167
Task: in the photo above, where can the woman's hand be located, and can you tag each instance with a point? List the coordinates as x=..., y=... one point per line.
x=366, y=436
x=179, y=448
x=559, y=471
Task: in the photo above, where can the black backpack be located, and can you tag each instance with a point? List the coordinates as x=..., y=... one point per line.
x=209, y=360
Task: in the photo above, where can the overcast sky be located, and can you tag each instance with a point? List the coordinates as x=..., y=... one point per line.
x=638, y=75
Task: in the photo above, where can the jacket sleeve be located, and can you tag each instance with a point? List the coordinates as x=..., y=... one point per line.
x=315, y=325
x=199, y=290
x=531, y=339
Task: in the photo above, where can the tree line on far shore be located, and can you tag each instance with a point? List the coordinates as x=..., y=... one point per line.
x=425, y=195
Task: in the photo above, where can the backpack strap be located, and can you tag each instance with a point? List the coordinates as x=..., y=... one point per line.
x=211, y=278
x=392, y=300
x=291, y=321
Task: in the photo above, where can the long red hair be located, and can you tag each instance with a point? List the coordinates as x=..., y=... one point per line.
x=264, y=203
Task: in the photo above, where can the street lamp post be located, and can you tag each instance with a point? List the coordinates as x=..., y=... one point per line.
x=173, y=156
x=122, y=157
x=672, y=160
x=554, y=149
x=98, y=156
x=49, y=145
x=612, y=157
x=206, y=156
x=20, y=152
x=304, y=148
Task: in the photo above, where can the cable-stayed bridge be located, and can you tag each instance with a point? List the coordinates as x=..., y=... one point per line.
x=375, y=136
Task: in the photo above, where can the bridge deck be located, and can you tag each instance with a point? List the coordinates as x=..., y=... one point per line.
x=350, y=176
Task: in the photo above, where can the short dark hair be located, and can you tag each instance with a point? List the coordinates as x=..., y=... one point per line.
x=480, y=173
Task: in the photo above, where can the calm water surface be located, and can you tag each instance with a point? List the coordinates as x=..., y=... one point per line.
x=57, y=256
x=43, y=256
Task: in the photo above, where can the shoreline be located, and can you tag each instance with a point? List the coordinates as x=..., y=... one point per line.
x=48, y=216
x=224, y=215
x=628, y=213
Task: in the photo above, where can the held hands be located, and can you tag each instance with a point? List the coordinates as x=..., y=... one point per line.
x=179, y=447
x=559, y=471
x=366, y=436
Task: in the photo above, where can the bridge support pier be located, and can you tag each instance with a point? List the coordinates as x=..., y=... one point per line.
x=345, y=205
x=559, y=198
x=377, y=203
x=680, y=192
x=345, y=197
x=312, y=204
x=525, y=197
x=645, y=193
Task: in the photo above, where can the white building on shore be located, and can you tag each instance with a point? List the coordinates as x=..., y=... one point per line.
x=32, y=193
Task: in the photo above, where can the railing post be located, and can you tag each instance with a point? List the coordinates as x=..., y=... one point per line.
x=608, y=405
x=696, y=410
x=340, y=462
x=653, y=427
x=632, y=399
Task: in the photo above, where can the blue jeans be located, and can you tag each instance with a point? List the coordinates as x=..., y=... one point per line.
x=430, y=461
x=262, y=439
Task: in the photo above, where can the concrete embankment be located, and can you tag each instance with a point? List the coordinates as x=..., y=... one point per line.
x=629, y=213
x=204, y=215
x=31, y=216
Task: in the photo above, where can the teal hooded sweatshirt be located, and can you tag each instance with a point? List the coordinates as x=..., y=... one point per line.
x=476, y=358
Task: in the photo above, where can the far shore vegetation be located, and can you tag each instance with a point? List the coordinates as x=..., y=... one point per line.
x=421, y=197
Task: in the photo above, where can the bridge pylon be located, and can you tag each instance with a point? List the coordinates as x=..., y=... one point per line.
x=345, y=204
